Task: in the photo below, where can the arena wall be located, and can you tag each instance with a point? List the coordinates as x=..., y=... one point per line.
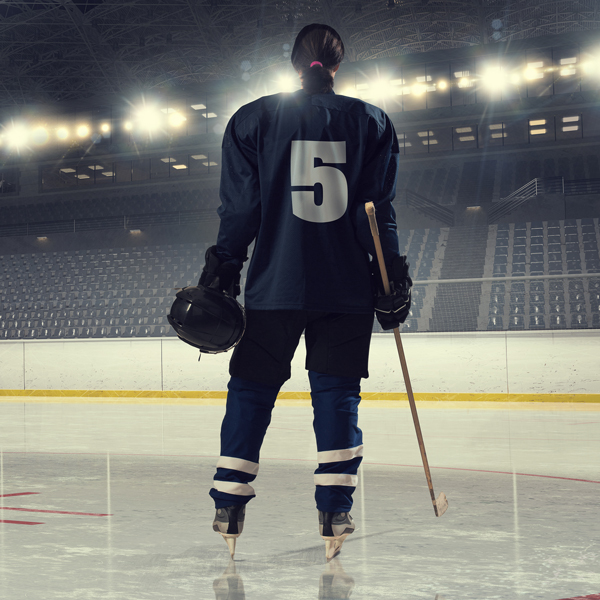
x=472, y=366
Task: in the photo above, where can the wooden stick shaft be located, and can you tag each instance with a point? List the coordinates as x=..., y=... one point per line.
x=370, y=208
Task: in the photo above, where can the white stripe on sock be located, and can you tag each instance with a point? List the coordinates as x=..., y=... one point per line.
x=231, y=487
x=330, y=456
x=237, y=464
x=336, y=479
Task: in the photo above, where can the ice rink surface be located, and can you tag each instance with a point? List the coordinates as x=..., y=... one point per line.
x=523, y=482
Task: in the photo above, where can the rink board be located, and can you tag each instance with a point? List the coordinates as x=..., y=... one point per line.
x=548, y=366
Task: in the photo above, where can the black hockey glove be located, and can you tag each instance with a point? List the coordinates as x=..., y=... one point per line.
x=393, y=309
x=219, y=275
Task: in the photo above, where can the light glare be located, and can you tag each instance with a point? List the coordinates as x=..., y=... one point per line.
x=39, y=136
x=380, y=89
x=148, y=118
x=286, y=83
x=531, y=74
x=83, y=131
x=176, y=119
x=418, y=89
x=494, y=79
x=16, y=136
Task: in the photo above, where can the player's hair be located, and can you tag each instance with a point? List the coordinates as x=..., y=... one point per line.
x=320, y=43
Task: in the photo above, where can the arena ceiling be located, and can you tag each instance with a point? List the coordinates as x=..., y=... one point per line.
x=72, y=50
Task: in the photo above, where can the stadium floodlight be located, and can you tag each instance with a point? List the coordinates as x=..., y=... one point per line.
x=534, y=70
x=17, y=137
x=128, y=125
x=40, y=135
x=464, y=82
x=380, y=89
x=442, y=85
x=83, y=131
x=531, y=74
x=566, y=71
x=148, y=118
x=105, y=128
x=494, y=79
x=62, y=133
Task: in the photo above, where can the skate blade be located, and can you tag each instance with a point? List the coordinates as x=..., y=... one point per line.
x=333, y=546
x=441, y=504
x=230, y=540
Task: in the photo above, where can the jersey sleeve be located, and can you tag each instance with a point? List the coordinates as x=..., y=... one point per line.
x=378, y=185
x=240, y=210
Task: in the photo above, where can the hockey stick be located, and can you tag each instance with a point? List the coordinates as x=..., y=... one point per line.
x=441, y=504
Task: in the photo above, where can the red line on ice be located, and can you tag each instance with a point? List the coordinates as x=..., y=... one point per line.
x=19, y=494
x=20, y=522
x=498, y=472
x=56, y=512
x=592, y=597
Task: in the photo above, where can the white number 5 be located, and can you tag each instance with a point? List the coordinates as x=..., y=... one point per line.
x=305, y=174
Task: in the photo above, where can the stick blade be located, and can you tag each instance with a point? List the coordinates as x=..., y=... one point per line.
x=441, y=504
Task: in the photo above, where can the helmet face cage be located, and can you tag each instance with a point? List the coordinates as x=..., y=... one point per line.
x=207, y=319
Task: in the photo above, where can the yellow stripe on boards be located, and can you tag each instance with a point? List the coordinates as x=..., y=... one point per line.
x=218, y=397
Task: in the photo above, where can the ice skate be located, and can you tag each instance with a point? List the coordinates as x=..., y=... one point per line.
x=334, y=528
x=229, y=522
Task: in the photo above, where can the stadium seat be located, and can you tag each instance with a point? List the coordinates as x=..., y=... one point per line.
x=415, y=312
x=579, y=321
x=555, y=268
x=516, y=322
x=496, y=310
x=536, y=309
x=408, y=326
x=557, y=322
x=495, y=323
x=537, y=322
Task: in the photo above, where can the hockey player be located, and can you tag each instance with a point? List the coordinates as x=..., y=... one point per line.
x=297, y=170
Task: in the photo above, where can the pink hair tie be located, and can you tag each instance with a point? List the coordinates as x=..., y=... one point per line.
x=316, y=62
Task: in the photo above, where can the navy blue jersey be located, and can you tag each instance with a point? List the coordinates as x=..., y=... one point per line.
x=297, y=170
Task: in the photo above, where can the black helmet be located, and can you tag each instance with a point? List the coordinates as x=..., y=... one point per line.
x=207, y=319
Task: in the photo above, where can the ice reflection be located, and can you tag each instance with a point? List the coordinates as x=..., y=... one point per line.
x=335, y=583
x=229, y=586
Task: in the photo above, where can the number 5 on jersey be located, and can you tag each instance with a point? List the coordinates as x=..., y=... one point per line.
x=305, y=174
